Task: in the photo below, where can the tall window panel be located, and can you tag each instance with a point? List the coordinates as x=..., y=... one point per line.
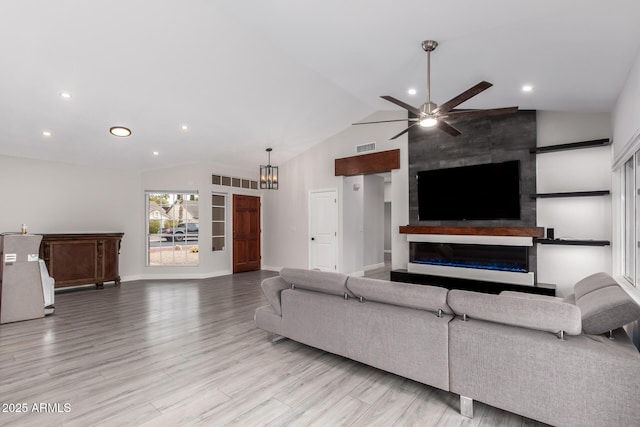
x=218, y=221
x=636, y=219
x=629, y=220
x=172, y=228
x=631, y=211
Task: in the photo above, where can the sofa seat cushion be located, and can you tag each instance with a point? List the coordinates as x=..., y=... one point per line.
x=407, y=342
x=314, y=280
x=606, y=309
x=585, y=380
x=421, y=297
x=532, y=313
x=316, y=319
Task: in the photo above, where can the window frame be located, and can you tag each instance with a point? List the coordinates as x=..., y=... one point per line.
x=180, y=251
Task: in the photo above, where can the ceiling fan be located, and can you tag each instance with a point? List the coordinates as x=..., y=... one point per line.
x=433, y=115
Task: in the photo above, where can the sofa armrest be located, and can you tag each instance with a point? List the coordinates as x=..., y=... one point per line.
x=543, y=315
x=272, y=288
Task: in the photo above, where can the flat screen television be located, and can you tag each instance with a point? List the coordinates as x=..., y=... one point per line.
x=479, y=192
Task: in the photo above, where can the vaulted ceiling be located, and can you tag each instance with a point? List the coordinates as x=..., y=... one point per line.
x=246, y=75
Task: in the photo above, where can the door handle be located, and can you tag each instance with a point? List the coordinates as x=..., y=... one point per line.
x=313, y=238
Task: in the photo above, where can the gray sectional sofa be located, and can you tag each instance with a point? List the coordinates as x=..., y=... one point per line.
x=565, y=362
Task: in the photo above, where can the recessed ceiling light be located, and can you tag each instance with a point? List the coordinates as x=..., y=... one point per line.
x=65, y=95
x=412, y=91
x=155, y=153
x=527, y=88
x=120, y=131
x=46, y=133
x=184, y=127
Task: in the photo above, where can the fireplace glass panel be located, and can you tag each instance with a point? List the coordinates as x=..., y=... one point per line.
x=488, y=257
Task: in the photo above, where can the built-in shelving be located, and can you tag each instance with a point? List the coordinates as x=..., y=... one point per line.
x=571, y=194
x=562, y=147
x=571, y=146
x=572, y=242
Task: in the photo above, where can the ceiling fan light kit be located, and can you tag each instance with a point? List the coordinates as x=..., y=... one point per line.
x=431, y=115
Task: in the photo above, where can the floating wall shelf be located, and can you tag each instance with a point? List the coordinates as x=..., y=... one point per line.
x=571, y=146
x=571, y=194
x=572, y=242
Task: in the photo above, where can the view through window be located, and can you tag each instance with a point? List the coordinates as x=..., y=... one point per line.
x=631, y=211
x=172, y=228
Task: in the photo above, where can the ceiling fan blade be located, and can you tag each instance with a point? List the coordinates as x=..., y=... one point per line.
x=474, y=114
x=446, y=127
x=403, y=132
x=404, y=105
x=385, y=121
x=469, y=93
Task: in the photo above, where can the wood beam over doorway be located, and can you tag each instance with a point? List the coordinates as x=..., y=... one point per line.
x=382, y=161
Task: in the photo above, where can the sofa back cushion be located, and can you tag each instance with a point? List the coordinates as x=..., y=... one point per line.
x=539, y=314
x=314, y=280
x=606, y=309
x=421, y=297
x=592, y=283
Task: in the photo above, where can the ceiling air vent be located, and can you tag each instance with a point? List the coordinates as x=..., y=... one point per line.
x=365, y=147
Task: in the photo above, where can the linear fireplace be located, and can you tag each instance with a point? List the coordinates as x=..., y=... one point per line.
x=486, y=257
x=490, y=258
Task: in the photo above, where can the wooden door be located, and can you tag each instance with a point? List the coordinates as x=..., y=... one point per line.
x=246, y=233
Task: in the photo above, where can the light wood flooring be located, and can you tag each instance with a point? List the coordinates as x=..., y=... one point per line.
x=187, y=352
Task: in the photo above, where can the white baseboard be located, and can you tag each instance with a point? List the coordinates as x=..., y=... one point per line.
x=185, y=276
x=271, y=268
x=357, y=273
x=373, y=266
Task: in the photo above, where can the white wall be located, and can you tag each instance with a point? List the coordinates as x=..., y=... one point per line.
x=387, y=226
x=353, y=224
x=577, y=218
x=197, y=177
x=626, y=114
x=373, y=231
x=54, y=197
x=286, y=210
x=626, y=140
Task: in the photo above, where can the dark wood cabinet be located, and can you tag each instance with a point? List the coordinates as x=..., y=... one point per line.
x=81, y=259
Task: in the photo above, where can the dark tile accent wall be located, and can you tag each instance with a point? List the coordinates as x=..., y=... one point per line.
x=486, y=140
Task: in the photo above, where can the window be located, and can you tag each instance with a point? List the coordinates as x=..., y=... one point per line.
x=172, y=228
x=631, y=211
x=218, y=221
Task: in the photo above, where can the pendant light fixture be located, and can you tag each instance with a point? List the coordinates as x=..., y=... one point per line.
x=268, y=174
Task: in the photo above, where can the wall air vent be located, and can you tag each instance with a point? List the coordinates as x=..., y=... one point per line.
x=371, y=146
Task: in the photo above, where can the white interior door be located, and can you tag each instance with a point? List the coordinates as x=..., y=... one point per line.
x=323, y=230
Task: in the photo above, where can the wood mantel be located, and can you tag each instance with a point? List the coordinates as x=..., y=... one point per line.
x=473, y=231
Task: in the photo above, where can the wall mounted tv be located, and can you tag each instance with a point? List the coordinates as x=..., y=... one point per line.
x=479, y=192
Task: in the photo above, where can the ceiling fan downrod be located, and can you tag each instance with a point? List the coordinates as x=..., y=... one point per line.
x=429, y=108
